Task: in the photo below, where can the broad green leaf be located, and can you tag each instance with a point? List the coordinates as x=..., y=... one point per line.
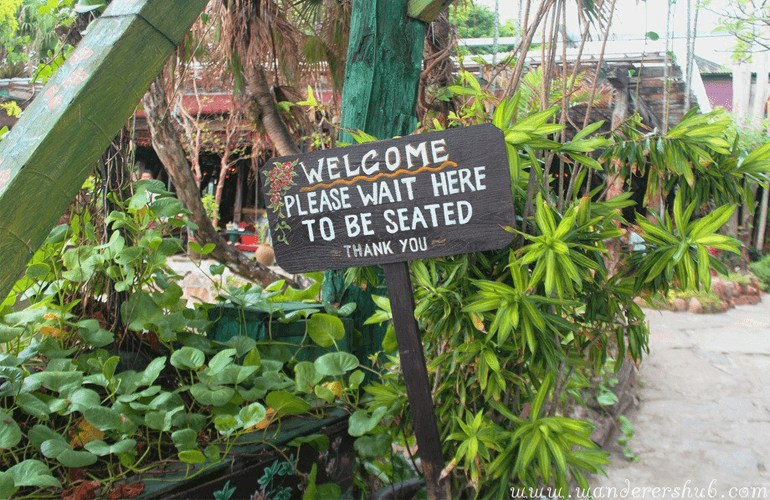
x=335, y=364
x=212, y=452
x=10, y=433
x=286, y=402
x=373, y=446
x=216, y=395
x=102, y=449
x=192, y=457
x=83, y=399
x=32, y=405
x=153, y=370
x=325, y=329
x=242, y=344
x=306, y=376
x=226, y=424
x=222, y=359
x=41, y=433
x=103, y=418
x=7, y=488
x=252, y=414
x=33, y=473
x=188, y=358
x=361, y=422
x=72, y=458
x=323, y=392
x=185, y=439
x=356, y=378
x=319, y=442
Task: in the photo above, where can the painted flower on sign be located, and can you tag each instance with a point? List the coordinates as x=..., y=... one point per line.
x=279, y=179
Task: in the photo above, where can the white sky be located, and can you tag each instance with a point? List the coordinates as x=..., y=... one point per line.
x=634, y=18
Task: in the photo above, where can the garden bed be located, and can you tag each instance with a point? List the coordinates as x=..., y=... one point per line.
x=259, y=470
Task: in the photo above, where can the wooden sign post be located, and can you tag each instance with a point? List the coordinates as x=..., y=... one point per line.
x=388, y=202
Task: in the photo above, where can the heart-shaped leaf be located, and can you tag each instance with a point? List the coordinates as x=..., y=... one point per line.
x=102, y=449
x=185, y=439
x=372, y=446
x=225, y=424
x=287, y=403
x=192, y=457
x=325, y=329
x=103, y=418
x=319, y=442
x=40, y=433
x=242, y=344
x=7, y=488
x=356, y=378
x=251, y=414
x=32, y=405
x=221, y=360
x=153, y=370
x=188, y=358
x=83, y=399
x=33, y=473
x=335, y=364
x=216, y=395
x=72, y=458
x=361, y=422
x=10, y=433
x=305, y=376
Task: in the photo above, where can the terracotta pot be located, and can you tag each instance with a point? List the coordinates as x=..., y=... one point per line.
x=265, y=255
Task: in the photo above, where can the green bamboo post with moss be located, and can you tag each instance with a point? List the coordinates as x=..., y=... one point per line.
x=49, y=153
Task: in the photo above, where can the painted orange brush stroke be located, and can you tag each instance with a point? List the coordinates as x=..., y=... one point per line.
x=378, y=176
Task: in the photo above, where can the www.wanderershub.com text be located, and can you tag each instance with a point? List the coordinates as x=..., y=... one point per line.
x=687, y=490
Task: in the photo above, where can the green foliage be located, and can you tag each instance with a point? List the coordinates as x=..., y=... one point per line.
x=513, y=336
x=626, y=435
x=71, y=397
x=478, y=21
x=761, y=270
x=211, y=206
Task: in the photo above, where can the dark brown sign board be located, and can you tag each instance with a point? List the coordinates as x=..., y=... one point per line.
x=426, y=195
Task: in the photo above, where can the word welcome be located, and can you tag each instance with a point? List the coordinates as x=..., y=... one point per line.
x=393, y=158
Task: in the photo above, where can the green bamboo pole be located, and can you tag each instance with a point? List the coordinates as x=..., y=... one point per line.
x=48, y=154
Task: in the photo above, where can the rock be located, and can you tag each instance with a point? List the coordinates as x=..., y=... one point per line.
x=695, y=306
x=747, y=300
x=718, y=287
x=198, y=292
x=639, y=301
x=731, y=289
x=744, y=288
x=680, y=304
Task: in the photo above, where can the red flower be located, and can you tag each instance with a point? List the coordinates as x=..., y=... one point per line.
x=275, y=186
x=274, y=174
x=275, y=198
x=287, y=167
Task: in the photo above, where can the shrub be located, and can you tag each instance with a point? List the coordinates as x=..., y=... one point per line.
x=761, y=270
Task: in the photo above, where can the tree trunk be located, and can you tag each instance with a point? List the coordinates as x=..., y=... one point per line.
x=741, y=92
x=169, y=149
x=761, y=89
x=762, y=227
x=263, y=106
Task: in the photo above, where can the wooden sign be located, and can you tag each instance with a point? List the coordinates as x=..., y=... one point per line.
x=427, y=195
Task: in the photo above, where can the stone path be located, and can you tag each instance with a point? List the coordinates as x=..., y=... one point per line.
x=703, y=421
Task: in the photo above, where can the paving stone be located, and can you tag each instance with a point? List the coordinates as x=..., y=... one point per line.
x=704, y=411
